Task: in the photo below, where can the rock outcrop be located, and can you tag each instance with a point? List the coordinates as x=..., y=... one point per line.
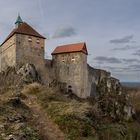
x=29, y=73
x=110, y=99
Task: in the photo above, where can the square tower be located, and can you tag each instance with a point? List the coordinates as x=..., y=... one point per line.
x=23, y=45
x=70, y=66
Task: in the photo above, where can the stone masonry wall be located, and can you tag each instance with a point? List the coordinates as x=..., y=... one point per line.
x=71, y=68
x=30, y=51
x=8, y=53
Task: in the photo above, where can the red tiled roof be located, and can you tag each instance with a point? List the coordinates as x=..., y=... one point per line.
x=78, y=47
x=25, y=29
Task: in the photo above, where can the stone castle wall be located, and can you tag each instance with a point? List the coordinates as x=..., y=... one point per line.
x=28, y=50
x=20, y=50
x=71, y=68
x=8, y=53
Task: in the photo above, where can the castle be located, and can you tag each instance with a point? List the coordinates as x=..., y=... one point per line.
x=68, y=65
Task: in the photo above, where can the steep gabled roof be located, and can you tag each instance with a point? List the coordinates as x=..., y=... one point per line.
x=25, y=29
x=78, y=47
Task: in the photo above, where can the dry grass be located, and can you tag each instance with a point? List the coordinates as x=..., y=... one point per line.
x=69, y=114
x=33, y=88
x=69, y=108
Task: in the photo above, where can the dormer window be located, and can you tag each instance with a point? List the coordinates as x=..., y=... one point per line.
x=30, y=39
x=37, y=41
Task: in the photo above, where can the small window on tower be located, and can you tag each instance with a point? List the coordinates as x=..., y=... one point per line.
x=37, y=41
x=29, y=39
x=73, y=59
x=63, y=59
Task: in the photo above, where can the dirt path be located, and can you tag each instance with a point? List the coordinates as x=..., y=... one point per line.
x=47, y=128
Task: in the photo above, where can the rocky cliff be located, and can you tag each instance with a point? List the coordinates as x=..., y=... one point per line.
x=109, y=96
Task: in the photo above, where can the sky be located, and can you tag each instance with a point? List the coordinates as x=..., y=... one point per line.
x=110, y=28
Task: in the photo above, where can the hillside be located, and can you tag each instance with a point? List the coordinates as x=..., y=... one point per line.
x=30, y=110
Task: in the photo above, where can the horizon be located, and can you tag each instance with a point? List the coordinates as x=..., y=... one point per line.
x=110, y=30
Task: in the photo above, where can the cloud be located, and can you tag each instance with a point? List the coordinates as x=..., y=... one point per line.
x=64, y=32
x=137, y=53
x=123, y=69
x=133, y=60
x=126, y=39
x=103, y=59
x=135, y=66
x=125, y=48
x=116, y=69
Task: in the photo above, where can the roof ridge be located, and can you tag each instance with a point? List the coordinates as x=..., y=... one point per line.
x=69, y=48
x=71, y=44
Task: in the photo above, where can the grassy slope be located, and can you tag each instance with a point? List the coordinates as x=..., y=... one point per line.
x=70, y=114
x=72, y=117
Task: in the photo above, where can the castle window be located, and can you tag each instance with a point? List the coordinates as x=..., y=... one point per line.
x=73, y=59
x=37, y=41
x=29, y=39
x=63, y=59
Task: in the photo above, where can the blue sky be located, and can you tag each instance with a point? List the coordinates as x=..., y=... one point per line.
x=110, y=28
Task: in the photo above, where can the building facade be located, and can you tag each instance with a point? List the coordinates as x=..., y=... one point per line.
x=70, y=66
x=22, y=45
